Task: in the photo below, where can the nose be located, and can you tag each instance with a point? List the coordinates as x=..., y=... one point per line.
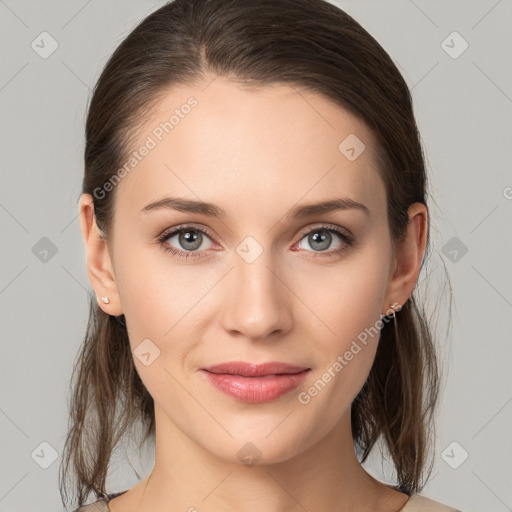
x=257, y=299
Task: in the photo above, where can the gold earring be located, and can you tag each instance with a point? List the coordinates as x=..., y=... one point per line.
x=106, y=300
x=394, y=312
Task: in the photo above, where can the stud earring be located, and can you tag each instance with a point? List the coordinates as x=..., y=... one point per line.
x=106, y=300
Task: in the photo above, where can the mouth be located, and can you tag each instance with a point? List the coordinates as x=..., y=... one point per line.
x=253, y=383
x=243, y=369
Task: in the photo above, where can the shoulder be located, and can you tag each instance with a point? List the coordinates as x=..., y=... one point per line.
x=418, y=503
x=97, y=506
x=100, y=505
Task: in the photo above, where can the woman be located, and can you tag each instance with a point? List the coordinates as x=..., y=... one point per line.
x=255, y=221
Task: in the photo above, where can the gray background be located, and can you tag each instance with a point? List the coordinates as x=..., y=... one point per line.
x=463, y=108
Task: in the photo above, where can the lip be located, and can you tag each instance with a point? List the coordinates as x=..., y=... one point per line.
x=254, y=383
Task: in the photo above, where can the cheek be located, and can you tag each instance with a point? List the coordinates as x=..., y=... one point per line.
x=165, y=303
x=156, y=293
x=157, y=313
x=346, y=298
x=347, y=316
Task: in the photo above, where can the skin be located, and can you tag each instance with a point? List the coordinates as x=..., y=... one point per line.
x=256, y=154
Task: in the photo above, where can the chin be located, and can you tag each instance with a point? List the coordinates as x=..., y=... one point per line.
x=257, y=450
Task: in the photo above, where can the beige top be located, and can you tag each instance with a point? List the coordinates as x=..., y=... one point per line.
x=416, y=503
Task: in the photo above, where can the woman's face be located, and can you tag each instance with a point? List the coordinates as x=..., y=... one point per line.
x=251, y=284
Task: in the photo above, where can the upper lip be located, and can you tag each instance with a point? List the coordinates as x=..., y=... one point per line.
x=255, y=370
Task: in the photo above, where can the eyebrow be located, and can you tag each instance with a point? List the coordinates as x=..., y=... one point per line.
x=212, y=210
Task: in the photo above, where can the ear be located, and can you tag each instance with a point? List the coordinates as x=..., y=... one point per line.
x=407, y=263
x=99, y=265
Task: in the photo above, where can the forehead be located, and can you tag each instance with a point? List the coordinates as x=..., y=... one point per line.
x=252, y=145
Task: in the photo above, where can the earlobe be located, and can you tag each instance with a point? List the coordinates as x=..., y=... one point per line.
x=98, y=262
x=409, y=256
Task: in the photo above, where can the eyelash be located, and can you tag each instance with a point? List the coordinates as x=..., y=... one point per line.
x=345, y=237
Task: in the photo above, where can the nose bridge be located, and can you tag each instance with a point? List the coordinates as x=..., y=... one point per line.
x=259, y=302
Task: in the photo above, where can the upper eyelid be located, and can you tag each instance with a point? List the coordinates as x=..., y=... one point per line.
x=338, y=229
x=173, y=231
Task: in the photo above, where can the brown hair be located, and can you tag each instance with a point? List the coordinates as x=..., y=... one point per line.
x=310, y=44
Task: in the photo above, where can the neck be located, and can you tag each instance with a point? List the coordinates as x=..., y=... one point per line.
x=324, y=476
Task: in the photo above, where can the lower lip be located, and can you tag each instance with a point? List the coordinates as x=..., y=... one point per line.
x=255, y=389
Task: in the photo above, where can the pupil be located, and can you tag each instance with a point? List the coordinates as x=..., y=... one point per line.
x=189, y=237
x=321, y=237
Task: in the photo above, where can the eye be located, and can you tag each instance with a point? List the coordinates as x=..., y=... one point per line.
x=188, y=237
x=190, y=240
x=320, y=238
